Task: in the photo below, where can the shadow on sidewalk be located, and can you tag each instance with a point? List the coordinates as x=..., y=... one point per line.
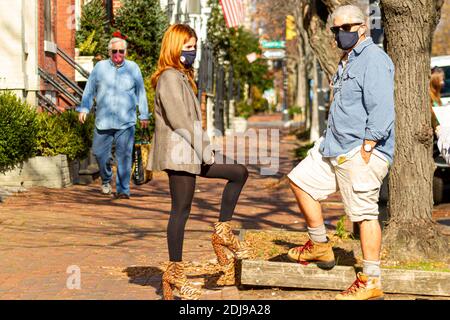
x=152, y=276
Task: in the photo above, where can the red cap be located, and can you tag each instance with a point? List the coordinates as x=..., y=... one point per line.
x=118, y=34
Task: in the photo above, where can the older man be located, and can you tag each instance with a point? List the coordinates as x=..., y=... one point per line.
x=354, y=154
x=118, y=87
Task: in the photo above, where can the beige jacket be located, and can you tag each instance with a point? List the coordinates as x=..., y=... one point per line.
x=179, y=142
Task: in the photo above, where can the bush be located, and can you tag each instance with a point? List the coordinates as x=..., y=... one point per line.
x=18, y=128
x=63, y=134
x=151, y=107
x=93, y=23
x=259, y=103
x=144, y=23
x=302, y=152
x=87, y=47
x=243, y=109
x=293, y=110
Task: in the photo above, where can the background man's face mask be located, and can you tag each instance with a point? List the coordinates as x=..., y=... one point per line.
x=346, y=39
x=188, y=57
x=118, y=56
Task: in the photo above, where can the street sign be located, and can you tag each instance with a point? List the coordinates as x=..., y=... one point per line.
x=274, y=54
x=273, y=44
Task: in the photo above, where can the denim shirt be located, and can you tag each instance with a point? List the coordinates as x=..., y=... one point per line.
x=117, y=89
x=363, y=103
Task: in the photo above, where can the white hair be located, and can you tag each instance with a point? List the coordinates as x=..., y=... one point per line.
x=114, y=40
x=351, y=11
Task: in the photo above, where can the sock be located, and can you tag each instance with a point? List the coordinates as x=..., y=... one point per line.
x=371, y=268
x=318, y=234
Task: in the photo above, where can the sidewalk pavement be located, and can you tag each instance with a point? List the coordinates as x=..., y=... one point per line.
x=118, y=247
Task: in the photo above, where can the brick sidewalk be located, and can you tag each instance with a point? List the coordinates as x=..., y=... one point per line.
x=119, y=245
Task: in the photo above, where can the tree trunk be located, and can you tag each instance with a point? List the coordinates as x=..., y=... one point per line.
x=300, y=99
x=304, y=53
x=411, y=233
x=315, y=17
x=315, y=133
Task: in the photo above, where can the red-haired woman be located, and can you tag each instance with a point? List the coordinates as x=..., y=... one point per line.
x=183, y=150
x=436, y=83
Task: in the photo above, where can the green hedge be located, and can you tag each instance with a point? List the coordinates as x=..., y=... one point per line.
x=18, y=128
x=24, y=133
x=64, y=134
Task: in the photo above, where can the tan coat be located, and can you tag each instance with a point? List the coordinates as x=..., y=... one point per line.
x=179, y=142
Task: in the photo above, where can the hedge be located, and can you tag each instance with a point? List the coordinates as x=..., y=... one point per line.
x=25, y=133
x=18, y=128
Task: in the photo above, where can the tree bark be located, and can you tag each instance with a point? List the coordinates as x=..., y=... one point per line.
x=315, y=17
x=304, y=61
x=411, y=233
x=314, y=133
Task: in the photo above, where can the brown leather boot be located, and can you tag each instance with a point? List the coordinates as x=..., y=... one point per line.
x=364, y=288
x=319, y=253
x=174, y=277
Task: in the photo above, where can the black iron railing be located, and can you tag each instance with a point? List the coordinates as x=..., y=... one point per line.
x=61, y=89
x=73, y=63
x=47, y=104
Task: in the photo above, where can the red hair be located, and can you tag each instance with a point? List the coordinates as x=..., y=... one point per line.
x=436, y=85
x=172, y=44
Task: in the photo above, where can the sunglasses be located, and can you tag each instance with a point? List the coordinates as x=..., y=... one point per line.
x=114, y=51
x=345, y=27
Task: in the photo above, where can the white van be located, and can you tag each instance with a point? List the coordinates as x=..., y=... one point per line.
x=443, y=62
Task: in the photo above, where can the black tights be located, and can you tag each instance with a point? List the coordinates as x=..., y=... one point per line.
x=182, y=187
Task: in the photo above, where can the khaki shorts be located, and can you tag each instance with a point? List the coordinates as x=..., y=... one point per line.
x=358, y=182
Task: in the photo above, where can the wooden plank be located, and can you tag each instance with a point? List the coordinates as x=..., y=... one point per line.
x=294, y=275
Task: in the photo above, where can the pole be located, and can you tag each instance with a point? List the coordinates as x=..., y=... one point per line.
x=284, y=109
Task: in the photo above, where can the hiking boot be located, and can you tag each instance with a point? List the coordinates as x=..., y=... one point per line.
x=316, y=252
x=106, y=188
x=364, y=288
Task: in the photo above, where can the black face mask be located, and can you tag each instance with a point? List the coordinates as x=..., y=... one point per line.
x=188, y=58
x=346, y=40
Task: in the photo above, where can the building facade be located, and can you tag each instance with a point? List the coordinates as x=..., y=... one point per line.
x=35, y=31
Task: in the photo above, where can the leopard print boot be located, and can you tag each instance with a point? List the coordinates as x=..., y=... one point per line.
x=222, y=238
x=175, y=278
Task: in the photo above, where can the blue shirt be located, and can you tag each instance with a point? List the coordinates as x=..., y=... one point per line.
x=363, y=103
x=117, y=89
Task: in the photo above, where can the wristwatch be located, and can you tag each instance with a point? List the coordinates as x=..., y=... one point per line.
x=368, y=147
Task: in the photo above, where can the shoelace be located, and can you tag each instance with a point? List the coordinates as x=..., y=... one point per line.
x=355, y=286
x=306, y=247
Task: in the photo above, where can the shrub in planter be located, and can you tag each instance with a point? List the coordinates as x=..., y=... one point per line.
x=259, y=103
x=85, y=131
x=63, y=134
x=244, y=110
x=18, y=128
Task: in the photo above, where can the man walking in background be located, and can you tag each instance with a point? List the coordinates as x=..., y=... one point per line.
x=117, y=86
x=354, y=155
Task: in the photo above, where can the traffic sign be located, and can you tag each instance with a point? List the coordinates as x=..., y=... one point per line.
x=273, y=44
x=274, y=54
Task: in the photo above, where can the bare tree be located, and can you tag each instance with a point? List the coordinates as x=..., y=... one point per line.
x=411, y=232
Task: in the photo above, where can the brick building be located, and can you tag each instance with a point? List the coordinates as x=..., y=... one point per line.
x=36, y=30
